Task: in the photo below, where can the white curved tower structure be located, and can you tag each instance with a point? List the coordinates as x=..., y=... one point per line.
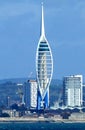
x=44, y=67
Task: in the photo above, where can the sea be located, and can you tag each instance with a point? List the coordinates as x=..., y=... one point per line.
x=41, y=126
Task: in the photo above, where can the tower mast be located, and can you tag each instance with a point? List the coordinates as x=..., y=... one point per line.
x=42, y=26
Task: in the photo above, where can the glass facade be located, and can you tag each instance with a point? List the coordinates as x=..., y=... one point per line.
x=44, y=67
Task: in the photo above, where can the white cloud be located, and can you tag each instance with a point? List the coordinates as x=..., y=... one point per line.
x=67, y=9
x=15, y=9
x=81, y=9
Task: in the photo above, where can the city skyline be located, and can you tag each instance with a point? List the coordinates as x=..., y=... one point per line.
x=19, y=33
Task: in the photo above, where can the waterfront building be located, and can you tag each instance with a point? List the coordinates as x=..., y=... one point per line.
x=30, y=94
x=73, y=95
x=44, y=68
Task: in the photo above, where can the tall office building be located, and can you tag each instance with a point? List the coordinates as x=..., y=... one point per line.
x=30, y=94
x=73, y=95
x=44, y=68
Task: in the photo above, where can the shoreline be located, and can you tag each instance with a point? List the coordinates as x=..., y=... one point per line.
x=32, y=120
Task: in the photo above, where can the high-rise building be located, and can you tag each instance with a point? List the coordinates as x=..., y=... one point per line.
x=30, y=94
x=73, y=95
x=44, y=68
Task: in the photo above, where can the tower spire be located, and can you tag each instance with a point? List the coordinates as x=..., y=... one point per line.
x=42, y=24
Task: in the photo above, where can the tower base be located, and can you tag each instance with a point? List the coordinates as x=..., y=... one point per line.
x=43, y=104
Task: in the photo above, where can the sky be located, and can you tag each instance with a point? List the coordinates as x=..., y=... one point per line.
x=20, y=22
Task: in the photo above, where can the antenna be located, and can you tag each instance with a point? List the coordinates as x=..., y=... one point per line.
x=42, y=24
